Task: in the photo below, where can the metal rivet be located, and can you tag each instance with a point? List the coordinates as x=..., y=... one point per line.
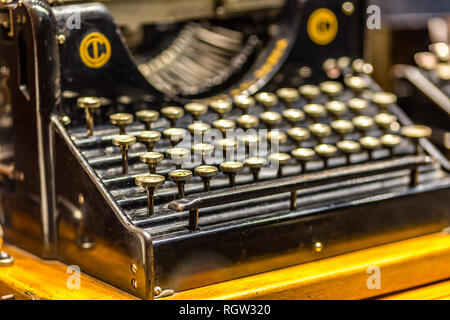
x=61, y=38
x=157, y=291
x=133, y=268
x=318, y=247
x=134, y=283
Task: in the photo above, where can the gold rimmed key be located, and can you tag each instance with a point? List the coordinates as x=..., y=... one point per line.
x=178, y=156
x=441, y=50
x=288, y=95
x=89, y=104
x=175, y=135
x=270, y=119
x=203, y=149
x=231, y=169
x=124, y=142
x=342, y=127
x=251, y=141
x=247, y=121
x=180, y=177
x=227, y=146
x=303, y=155
x=267, y=99
x=206, y=173
x=244, y=102
x=196, y=109
x=358, y=105
x=331, y=88
x=150, y=182
x=276, y=137
x=384, y=99
x=320, y=131
x=147, y=117
x=356, y=84
x=348, y=147
x=279, y=159
x=309, y=91
x=363, y=123
x=223, y=125
x=385, y=120
x=336, y=108
x=221, y=106
x=315, y=111
x=121, y=120
x=415, y=132
x=149, y=138
x=325, y=151
x=370, y=144
x=298, y=134
x=390, y=141
x=255, y=164
x=198, y=128
x=293, y=116
x=152, y=159
x=172, y=113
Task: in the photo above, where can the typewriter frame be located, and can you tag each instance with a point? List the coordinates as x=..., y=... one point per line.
x=57, y=207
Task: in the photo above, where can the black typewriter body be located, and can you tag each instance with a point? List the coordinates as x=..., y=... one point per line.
x=65, y=195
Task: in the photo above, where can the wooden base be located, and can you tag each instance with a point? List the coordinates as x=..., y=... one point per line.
x=411, y=269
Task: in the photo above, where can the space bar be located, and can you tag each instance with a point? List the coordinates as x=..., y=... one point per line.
x=195, y=202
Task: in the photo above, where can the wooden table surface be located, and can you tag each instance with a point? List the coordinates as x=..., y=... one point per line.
x=417, y=268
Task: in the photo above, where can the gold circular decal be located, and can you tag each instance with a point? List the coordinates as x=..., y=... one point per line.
x=322, y=26
x=95, y=50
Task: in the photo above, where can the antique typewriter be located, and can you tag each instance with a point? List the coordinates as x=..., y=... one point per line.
x=185, y=143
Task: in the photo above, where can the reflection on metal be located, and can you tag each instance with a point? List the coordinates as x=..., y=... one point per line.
x=5, y=259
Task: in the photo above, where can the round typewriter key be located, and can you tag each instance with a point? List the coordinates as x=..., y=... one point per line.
x=320, y=130
x=280, y=160
x=206, y=173
x=363, y=123
x=325, y=151
x=121, y=120
x=384, y=99
x=227, y=146
x=231, y=168
x=267, y=99
x=309, y=91
x=89, y=104
x=348, y=147
x=331, y=69
x=172, y=114
x=390, y=141
x=385, y=120
x=147, y=117
x=415, y=132
x=224, y=124
x=221, y=106
x=315, y=110
x=247, y=121
x=358, y=105
x=244, y=102
x=276, y=137
x=150, y=182
x=178, y=156
x=152, y=159
x=196, y=109
x=203, y=149
x=288, y=95
x=298, y=134
x=270, y=119
x=124, y=142
x=360, y=66
x=357, y=84
x=342, y=127
x=175, y=135
x=149, y=138
x=180, y=176
x=370, y=144
x=443, y=71
x=303, y=155
x=425, y=60
x=441, y=50
x=198, y=128
x=336, y=108
x=255, y=164
x=343, y=62
x=250, y=141
x=331, y=88
x=293, y=116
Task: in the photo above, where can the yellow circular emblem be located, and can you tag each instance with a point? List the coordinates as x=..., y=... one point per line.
x=322, y=26
x=95, y=50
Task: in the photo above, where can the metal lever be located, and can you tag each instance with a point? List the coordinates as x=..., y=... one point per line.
x=292, y=184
